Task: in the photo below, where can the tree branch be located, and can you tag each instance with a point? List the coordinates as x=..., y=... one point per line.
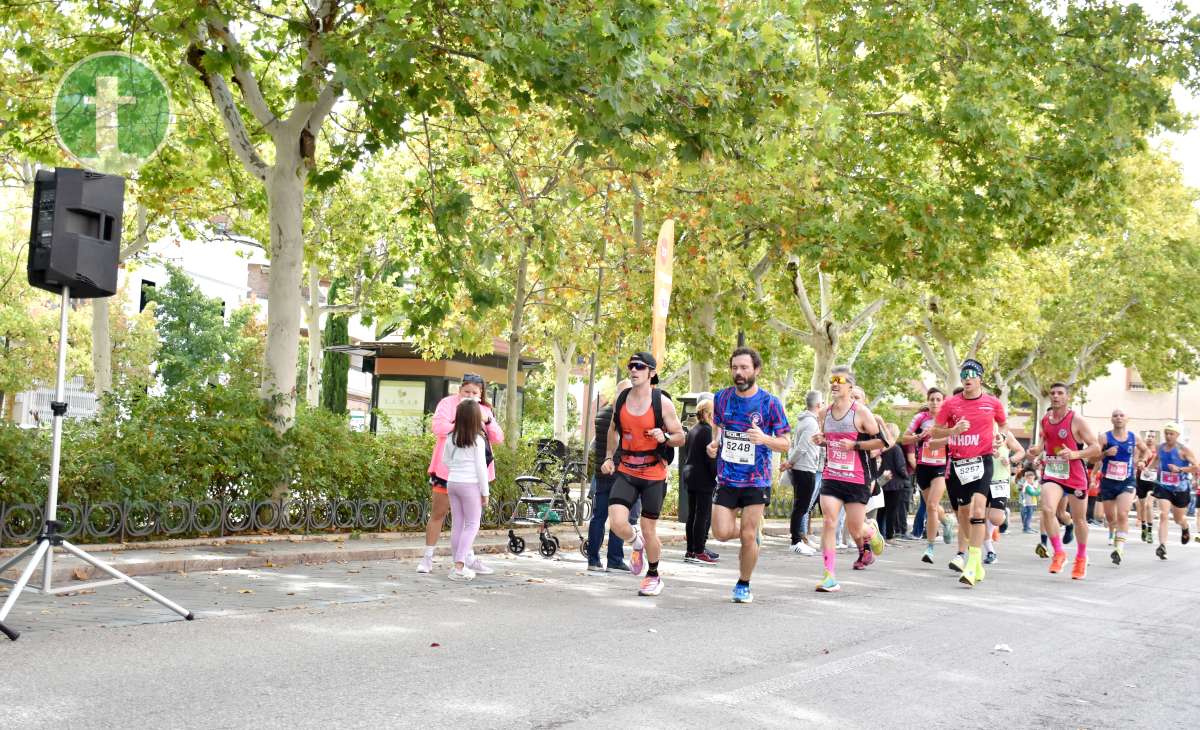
x=231, y=118
x=218, y=27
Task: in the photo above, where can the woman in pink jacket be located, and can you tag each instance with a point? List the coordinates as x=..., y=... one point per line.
x=472, y=387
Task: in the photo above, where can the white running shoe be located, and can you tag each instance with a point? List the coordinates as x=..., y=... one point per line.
x=801, y=548
x=463, y=573
x=841, y=546
x=426, y=564
x=480, y=568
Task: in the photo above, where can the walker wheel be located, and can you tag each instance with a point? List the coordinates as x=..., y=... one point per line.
x=548, y=547
x=516, y=545
x=583, y=546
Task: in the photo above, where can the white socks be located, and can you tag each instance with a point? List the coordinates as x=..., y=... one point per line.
x=429, y=550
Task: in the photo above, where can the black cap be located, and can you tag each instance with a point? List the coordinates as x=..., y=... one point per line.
x=648, y=360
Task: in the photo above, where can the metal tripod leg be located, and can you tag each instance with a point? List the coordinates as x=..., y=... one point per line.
x=38, y=553
x=127, y=580
x=19, y=557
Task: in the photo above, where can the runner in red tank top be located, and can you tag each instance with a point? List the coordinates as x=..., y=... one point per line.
x=1065, y=441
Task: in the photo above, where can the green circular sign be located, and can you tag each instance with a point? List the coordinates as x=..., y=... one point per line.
x=112, y=112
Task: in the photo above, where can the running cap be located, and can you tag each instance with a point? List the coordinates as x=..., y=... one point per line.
x=1171, y=426
x=645, y=358
x=971, y=366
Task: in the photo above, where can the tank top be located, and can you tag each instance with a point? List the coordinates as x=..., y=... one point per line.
x=1118, y=468
x=1171, y=481
x=1066, y=472
x=633, y=438
x=1001, y=469
x=843, y=465
x=926, y=454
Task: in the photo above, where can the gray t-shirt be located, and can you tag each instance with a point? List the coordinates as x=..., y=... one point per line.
x=804, y=454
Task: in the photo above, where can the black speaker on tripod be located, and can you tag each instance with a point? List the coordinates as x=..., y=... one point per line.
x=75, y=236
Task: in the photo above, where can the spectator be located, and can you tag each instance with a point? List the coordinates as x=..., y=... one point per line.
x=698, y=474
x=804, y=471
x=600, y=488
x=465, y=457
x=1030, y=491
x=894, y=516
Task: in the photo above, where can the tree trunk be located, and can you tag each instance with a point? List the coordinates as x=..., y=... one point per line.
x=701, y=369
x=824, y=348
x=512, y=433
x=285, y=200
x=101, y=347
x=312, y=395
x=562, y=375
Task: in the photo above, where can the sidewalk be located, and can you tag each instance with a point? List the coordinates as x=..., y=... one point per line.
x=276, y=551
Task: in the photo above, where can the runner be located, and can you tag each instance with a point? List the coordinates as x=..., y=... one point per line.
x=1066, y=442
x=1007, y=452
x=931, y=464
x=1173, y=461
x=1064, y=518
x=644, y=426
x=1122, y=450
x=848, y=431
x=1147, y=481
x=471, y=387
x=969, y=419
x=750, y=423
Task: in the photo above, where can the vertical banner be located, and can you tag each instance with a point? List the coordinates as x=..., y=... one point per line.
x=664, y=261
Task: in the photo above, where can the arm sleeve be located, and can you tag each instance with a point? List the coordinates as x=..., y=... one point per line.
x=481, y=472
x=443, y=417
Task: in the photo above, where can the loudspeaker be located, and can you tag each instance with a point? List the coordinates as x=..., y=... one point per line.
x=75, y=236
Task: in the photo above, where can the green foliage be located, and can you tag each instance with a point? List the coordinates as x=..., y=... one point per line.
x=335, y=366
x=195, y=338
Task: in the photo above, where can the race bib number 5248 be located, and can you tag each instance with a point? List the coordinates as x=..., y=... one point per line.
x=736, y=448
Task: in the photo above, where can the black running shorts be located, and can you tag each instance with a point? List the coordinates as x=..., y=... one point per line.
x=960, y=494
x=926, y=473
x=739, y=497
x=848, y=492
x=627, y=489
x=1177, y=499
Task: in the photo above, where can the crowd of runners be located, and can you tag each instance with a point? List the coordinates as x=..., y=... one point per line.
x=844, y=458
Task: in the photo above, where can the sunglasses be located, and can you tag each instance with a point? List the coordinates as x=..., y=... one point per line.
x=638, y=366
x=969, y=374
x=839, y=380
x=472, y=378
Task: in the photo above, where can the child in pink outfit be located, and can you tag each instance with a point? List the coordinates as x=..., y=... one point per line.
x=464, y=456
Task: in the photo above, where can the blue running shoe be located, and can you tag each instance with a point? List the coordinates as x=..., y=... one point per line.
x=829, y=584
x=742, y=594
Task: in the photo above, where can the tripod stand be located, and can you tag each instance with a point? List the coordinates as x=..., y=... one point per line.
x=41, y=552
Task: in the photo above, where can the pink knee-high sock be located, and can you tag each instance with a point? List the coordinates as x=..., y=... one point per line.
x=1080, y=550
x=830, y=558
x=1056, y=541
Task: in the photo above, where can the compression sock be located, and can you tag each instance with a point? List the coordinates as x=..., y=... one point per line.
x=1080, y=550
x=1119, y=541
x=987, y=538
x=830, y=557
x=1056, y=541
x=973, y=559
x=653, y=571
x=1044, y=538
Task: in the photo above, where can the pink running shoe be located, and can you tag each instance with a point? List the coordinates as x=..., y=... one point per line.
x=637, y=556
x=865, y=558
x=652, y=585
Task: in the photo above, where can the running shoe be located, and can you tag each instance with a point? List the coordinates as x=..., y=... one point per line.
x=426, y=564
x=622, y=567
x=1079, y=570
x=1147, y=535
x=742, y=594
x=829, y=584
x=463, y=574
x=651, y=586
x=1041, y=551
x=990, y=558
x=480, y=567
x=704, y=559
x=958, y=562
x=876, y=539
x=1110, y=539
x=595, y=568
x=927, y=556
x=690, y=558
x=715, y=556
x=995, y=534
x=1196, y=538
x=947, y=530
x=1161, y=552
x=1057, y=562
x=801, y=548
x=1186, y=537
x=637, y=556
x=1069, y=534
x=865, y=558
x=1116, y=557
x=841, y=546
x=968, y=578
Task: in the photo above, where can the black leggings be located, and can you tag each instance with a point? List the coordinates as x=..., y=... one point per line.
x=803, y=484
x=895, y=513
x=699, y=519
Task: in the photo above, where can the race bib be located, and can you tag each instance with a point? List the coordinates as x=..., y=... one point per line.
x=839, y=459
x=1117, y=471
x=1170, y=479
x=999, y=488
x=736, y=448
x=933, y=454
x=1057, y=468
x=1149, y=475
x=969, y=470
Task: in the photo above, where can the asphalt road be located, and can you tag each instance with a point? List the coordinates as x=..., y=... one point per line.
x=541, y=644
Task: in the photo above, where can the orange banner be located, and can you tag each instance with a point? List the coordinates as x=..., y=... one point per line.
x=664, y=262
